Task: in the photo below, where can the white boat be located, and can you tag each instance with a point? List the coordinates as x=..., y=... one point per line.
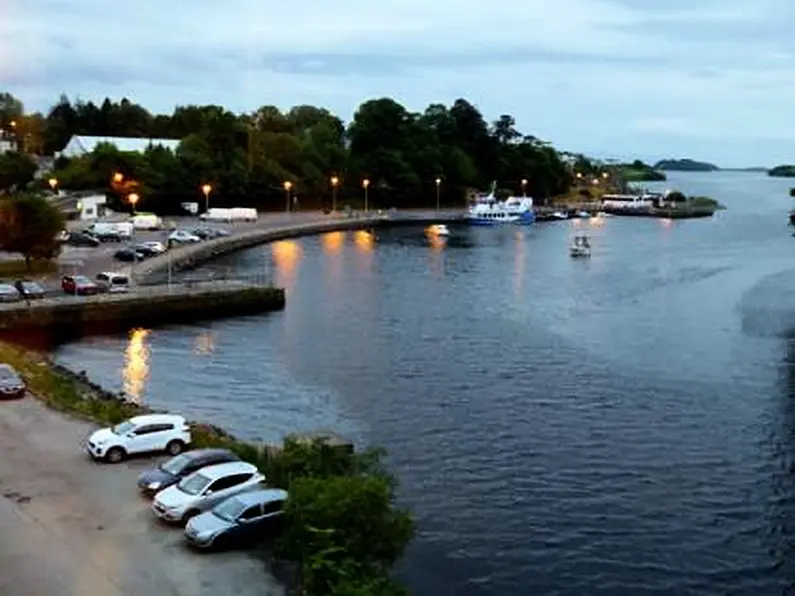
x=583, y=215
x=560, y=215
x=488, y=210
x=439, y=230
x=581, y=247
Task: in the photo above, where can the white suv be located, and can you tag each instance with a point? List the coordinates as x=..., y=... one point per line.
x=204, y=489
x=141, y=434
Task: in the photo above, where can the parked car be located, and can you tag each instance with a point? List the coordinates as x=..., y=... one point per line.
x=142, y=434
x=238, y=521
x=79, y=285
x=204, y=489
x=113, y=283
x=82, y=239
x=183, y=237
x=144, y=249
x=128, y=255
x=62, y=236
x=175, y=469
x=8, y=293
x=11, y=384
x=157, y=247
x=30, y=289
x=209, y=233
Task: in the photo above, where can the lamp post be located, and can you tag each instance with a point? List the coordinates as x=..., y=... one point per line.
x=334, y=182
x=53, y=182
x=118, y=177
x=287, y=186
x=365, y=186
x=133, y=198
x=207, y=189
x=438, y=192
x=524, y=187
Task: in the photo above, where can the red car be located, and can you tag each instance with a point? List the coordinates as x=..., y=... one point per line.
x=79, y=285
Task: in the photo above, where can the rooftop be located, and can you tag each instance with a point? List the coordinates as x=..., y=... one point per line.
x=126, y=144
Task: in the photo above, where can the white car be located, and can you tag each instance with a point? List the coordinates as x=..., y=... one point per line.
x=141, y=434
x=155, y=247
x=181, y=236
x=204, y=489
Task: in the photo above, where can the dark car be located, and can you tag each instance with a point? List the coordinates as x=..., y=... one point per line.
x=209, y=233
x=128, y=255
x=108, y=236
x=82, y=239
x=241, y=520
x=30, y=290
x=78, y=285
x=175, y=469
x=11, y=384
x=143, y=249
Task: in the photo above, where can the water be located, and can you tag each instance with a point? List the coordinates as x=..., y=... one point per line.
x=618, y=425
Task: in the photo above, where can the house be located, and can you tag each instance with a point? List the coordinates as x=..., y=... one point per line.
x=80, y=145
x=91, y=207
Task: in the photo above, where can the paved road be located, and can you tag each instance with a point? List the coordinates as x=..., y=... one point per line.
x=76, y=528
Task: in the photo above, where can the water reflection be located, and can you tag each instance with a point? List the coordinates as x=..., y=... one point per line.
x=136, y=365
x=332, y=242
x=204, y=345
x=332, y=245
x=286, y=256
x=518, y=271
x=365, y=249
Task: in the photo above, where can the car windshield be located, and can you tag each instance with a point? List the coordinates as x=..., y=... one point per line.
x=123, y=428
x=79, y=279
x=7, y=289
x=176, y=464
x=6, y=374
x=229, y=510
x=193, y=485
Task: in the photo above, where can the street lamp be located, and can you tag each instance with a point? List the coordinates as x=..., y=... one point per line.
x=53, y=182
x=524, y=187
x=287, y=186
x=133, y=198
x=605, y=175
x=365, y=186
x=207, y=189
x=334, y=182
x=118, y=177
x=438, y=192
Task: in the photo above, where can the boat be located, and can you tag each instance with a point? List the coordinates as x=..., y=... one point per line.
x=792, y=218
x=581, y=247
x=487, y=210
x=560, y=215
x=439, y=230
x=584, y=214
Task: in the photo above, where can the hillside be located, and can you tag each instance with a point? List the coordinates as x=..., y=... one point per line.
x=637, y=171
x=782, y=171
x=685, y=165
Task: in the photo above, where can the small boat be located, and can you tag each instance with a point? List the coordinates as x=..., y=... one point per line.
x=581, y=247
x=583, y=215
x=439, y=230
x=560, y=215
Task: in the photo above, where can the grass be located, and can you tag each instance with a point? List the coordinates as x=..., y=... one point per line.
x=17, y=268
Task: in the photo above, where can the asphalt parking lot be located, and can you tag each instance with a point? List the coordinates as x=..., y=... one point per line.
x=73, y=527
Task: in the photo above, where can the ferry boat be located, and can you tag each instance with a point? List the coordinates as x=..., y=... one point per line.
x=488, y=210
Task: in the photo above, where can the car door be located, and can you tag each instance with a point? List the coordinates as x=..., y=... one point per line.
x=160, y=436
x=141, y=439
x=226, y=487
x=248, y=523
x=270, y=521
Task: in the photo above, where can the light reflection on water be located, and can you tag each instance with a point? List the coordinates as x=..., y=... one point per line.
x=136, y=365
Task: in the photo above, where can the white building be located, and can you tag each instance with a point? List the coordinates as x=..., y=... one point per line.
x=91, y=207
x=80, y=145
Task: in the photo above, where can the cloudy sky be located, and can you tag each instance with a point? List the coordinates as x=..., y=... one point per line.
x=712, y=80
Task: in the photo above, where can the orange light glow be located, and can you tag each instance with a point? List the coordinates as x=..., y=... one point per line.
x=286, y=255
x=207, y=189
x=333, y=242
x=133, y=198
x=118, y=177
x=136, y=365
x=364, y=240
x=53, y=182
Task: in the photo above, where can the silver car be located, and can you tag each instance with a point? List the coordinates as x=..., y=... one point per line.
x=8, y=293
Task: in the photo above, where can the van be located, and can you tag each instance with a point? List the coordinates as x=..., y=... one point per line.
x=112, y=231
x=229, y=215
x=146, y=221
x=113, y=283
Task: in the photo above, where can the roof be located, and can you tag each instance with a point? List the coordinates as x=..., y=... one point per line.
x=232, y=467
x=152, y=418
x=130, y=144
x=261, y=496
x=202, y=453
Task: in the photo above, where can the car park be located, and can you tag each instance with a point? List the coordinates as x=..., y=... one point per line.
x=11, y=384
x=204, y=489
x=79, y=285
x=183, y=237
x=148, y=433
x=112, y=283
x=8, y=293
x=240, y=520
x=175, y=469
x=29, y=290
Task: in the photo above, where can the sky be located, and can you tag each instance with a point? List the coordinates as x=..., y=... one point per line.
x=649, y=79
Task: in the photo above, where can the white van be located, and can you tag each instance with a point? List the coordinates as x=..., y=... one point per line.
x=146, y=221
x=230, y=215
x=123, y=230
x=113, y=283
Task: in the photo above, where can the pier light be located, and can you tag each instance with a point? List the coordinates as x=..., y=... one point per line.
x=53, y=182
x=438, y=193
x=365, y=182
x=287, y=186
x=334, y=181
x=524, y=187
x=438, y=181
x=365, y=186
x=207, y=189
x=118, y=177
x=133, y=198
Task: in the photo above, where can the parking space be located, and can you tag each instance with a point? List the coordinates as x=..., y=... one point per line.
x=75, y=527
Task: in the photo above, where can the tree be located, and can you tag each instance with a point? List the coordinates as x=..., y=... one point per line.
x=16, y=170
x=29, y=225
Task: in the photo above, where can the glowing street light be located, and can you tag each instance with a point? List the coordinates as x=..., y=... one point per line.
x=133, y=198
x=334, y=182
x=438, y=192
x=207, y=189
x=365, y=186
x=118, y=177
x=287, y=186
x=605, y=175
x=524, y=187
x=53, y=182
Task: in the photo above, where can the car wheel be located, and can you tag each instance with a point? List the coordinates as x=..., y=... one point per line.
x=175, y=447
x=115, y=455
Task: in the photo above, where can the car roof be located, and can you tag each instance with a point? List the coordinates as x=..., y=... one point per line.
x=211, y=454
x=226, y=469
x=265, y=495
x=157, y=419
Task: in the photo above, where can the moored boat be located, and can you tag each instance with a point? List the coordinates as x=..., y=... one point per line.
x=488, y=210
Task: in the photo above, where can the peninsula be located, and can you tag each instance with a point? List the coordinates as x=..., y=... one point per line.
x=782, y=171
x=685, y=165
x=638, y=171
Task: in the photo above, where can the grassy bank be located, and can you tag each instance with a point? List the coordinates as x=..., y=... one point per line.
x=17, y=268
x=343, y=531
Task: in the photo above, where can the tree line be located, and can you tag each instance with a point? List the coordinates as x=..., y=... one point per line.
x=247, y=158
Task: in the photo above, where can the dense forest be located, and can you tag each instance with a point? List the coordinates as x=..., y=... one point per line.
x=247, y=158
x=685, y=165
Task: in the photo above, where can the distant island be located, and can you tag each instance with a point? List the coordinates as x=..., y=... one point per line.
x=751, y=169
x=783, y=171
x=685, y=165
x=637, y=171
